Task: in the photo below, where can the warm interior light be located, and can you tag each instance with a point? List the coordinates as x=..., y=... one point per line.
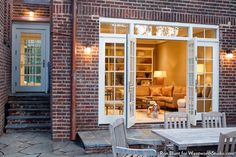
x=160, y=74
x=31, y=14
x=200, y=68
x=229, y=54
x=87, y=50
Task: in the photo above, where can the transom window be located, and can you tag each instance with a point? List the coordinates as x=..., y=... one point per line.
x=158, y=29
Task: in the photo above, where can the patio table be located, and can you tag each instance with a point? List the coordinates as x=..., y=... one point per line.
x=184, y=139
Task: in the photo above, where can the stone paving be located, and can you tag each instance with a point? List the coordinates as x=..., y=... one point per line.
x=34, y=144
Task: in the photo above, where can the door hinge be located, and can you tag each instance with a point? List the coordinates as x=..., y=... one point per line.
x=195, y=58
x=15, y=52
x=16, y=36
x=15, y=68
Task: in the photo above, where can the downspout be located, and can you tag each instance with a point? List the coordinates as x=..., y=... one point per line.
x=73, y=73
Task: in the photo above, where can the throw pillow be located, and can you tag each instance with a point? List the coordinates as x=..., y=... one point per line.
x=167, y=91
x=155, y=91
x=207, y=91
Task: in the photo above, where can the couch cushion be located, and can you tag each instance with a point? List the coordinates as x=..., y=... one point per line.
x=207, y=91
x=142, y=91
x=179, y=89
x=167, y=91
x=164, y=98
x=155, y=91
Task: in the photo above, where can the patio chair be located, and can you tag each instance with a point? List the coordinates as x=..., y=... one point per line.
x=120, y=142
x=213, y=120
x=176, y=120
x=227, y=144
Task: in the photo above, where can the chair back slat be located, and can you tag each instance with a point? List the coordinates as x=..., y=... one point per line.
x=227, y=144
x=176, y=120
x=179, y=123
x=233, y=144
x=213, y=120
x=118, y=135
x=219, y=123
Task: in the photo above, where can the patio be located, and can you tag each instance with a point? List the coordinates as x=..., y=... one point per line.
x=35, y=144
x=39, y=144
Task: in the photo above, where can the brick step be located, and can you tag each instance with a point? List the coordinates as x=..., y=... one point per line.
x=148, y=125
x=29, y=98
x=28, y=102
x=31, y=113
x=29, y=109
x=27, y=117
x=28, y=106
x=28, y=126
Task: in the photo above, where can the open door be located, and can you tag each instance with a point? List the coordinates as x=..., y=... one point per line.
x=130, y=80
x=192, y=80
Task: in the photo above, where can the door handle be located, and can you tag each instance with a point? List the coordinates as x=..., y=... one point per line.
x=44, y=63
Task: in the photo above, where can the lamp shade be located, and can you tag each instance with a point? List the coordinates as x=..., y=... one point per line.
x=160, y=74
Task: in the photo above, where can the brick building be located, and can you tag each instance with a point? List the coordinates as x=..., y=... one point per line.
x=5, y=55
x=85, y=34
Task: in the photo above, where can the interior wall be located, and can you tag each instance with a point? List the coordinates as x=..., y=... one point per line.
x=171, y=57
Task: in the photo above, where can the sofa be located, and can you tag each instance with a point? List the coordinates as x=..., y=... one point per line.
x=165, y=96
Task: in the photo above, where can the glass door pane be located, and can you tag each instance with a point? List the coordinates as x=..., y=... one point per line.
x=114, y=78
x=30, y=59
x=204, y=78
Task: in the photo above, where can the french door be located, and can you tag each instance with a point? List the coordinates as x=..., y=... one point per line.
x=117, y=76
x=202, y=78
x=130, y=80
x=30, y=57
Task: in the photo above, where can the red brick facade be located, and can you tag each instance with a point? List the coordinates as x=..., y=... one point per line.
x=21, y=9
x=5, y=57
x=220, y=12
x=61, y=68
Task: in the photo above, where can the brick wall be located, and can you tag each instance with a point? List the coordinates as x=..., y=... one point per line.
x=218, y=12
x=5, y=57
x=21, y=9
x=61, y=65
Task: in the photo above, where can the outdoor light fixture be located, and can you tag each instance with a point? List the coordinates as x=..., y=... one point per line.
x=160, y=75
x=87, y=49
x=229, y=54
x=31, y=13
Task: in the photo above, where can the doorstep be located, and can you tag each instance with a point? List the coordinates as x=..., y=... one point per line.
x=99, y=141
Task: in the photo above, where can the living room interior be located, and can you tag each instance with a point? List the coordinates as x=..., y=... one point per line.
x=161, y=72
x=160, y=78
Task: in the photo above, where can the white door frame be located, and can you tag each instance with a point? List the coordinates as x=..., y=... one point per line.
x=130, y=87
x=215, y=75
x=131, y=23
x=102, y=118
x=44, y=29
x=215, y=80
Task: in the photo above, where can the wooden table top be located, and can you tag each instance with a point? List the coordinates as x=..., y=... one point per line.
x=195, y=137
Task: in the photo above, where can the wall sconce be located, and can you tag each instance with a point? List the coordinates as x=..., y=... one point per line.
x=229, y=54
x=31, y=13
x=87, y=49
